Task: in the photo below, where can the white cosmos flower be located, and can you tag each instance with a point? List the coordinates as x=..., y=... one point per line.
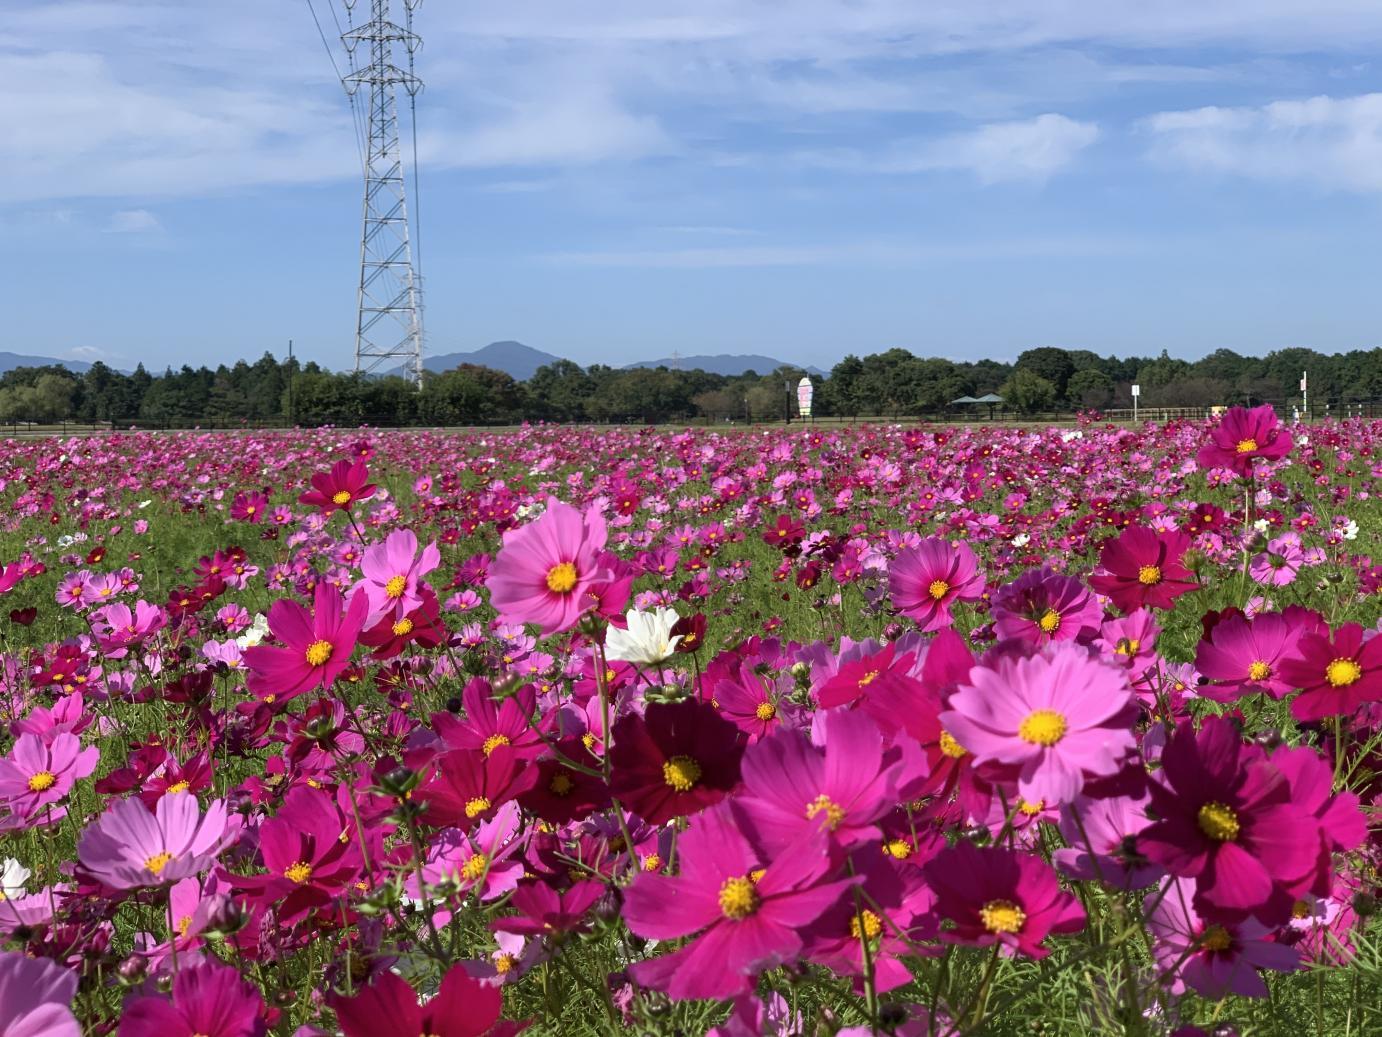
x=1021, y=540
x=1350, y=530
x=13, y=875
x=256, y=632
x=648, y=640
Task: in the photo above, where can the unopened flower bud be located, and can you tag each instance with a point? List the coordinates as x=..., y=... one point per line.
x=399, y=781
x=133, y=970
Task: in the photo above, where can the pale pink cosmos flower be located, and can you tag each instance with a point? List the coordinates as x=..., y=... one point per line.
x=130, y=848
x=37, y=774
x=393, y=572
x=35, y=997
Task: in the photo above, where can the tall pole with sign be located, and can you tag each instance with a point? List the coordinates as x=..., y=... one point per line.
x=1305, y=393
x=1136, y=392
x=805, y=392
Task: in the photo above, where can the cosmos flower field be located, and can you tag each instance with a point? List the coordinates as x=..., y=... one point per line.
x=879, y=729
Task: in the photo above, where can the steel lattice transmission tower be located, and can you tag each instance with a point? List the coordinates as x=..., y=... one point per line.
x=389, y=323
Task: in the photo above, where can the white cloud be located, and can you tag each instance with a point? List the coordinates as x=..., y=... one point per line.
x=1332, y=143
x=133, y=221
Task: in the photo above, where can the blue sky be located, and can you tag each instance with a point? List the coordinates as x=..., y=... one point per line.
x=615, y=180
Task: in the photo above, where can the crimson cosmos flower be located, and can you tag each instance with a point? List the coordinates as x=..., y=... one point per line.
x=1336, y=674
x=317, y=644
x=388, y=1007
x=676, y=759
x=1243, y=435
x=339, y=489
x=1142, y=568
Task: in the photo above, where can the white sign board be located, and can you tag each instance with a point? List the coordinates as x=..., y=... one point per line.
x=1137, y=390
x=805, y=390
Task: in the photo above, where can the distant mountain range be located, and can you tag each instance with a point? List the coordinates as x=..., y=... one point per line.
x=522, y=361
x=9, y=361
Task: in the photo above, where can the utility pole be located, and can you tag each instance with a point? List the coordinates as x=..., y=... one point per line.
x=388, y=324
x=292, y=370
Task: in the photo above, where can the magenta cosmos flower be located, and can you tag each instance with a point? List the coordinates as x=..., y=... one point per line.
x=36, y=774
x=393, y=574
x=545, y=570
x=792, y=788
x=209, y=1000
x=1042, y=606
x=317, y=644
x=130, y=847
x=1052, y=721
x=1142, y=568
x=1336, y=674
x=1240, y=656
x=339, y=489
x=388, y=1007
x=1241, y=437
x=748, y=912
x=1225, y=818
x=1001, y=896
x=35, y=997
x=924, y=581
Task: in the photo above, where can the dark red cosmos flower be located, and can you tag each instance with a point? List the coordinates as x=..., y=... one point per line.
x=562, y=794
x=691, y=630
x=784, y=533
x=23, y=617
x=1142, y=568
x=543, y=910
x=463, y=1007
x=1336, y=674
x=674, y=760
x=339, y=489
x=422, y=626
x=1002, y=896
x=1242, y=436
x=470, y=785
x=1225, y=817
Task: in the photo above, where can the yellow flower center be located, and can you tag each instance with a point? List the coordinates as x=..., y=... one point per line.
x=1259, y=671
x=872, y=927
x=738, y=898
x=560, y=785
x=504, y=963
x=898, y=849
x=1049, y=621
x=341, y=498
x=561, y=578
x=1031, y=809
x=396, y=586
x=765, y=711
x=868, y=678
x=1042, y=727
x=1218, y=821
x=1149, y=575
x=1127, y=646
x=42, y=781
x=318, y=652
x=177, y=786
x=184, y=923
x=1002, y=916
x=1300, y=910
x=472, y=869
x=938, y=589
x=652, y=862
x=950, y=747
x=403, y=627
x=834, y=813
x=1342, y=672
x=1246, y=446
x=299, y=872
x=1216, y=938
x=477, y=806
x=588, y=740
x=493, y=742
x=158, y=862
x=681, y=773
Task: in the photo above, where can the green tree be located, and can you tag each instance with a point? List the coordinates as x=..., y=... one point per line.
x=1028, y=392
x=1050, y=363
x=1090, y=388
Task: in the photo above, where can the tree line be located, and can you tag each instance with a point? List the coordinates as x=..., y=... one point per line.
x=895, y=383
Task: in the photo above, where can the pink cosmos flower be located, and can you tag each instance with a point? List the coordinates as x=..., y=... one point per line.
x=1241, y=437
x=1336, y=674
x=1213, y=958
x=36, y=773
x=792, y=788
x=1001, y=896
x=924, y=581
x=317, y=644
x=483, y=861
x=35, y=997
x=544, y=911
x=393, y=573
x=1241, y=656
x=1102, y=834
x=1279, y=564
x=544, y=571
x=746, y=921
x=1141, y=568
x=1041, y=606
x=1052, y=721
x=130, y=847
x=208, y=1000
x=249, y=507
x=119, y=628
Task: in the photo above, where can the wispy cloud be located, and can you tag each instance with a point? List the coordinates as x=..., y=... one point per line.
x=1332, y=143
x=133, y=221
